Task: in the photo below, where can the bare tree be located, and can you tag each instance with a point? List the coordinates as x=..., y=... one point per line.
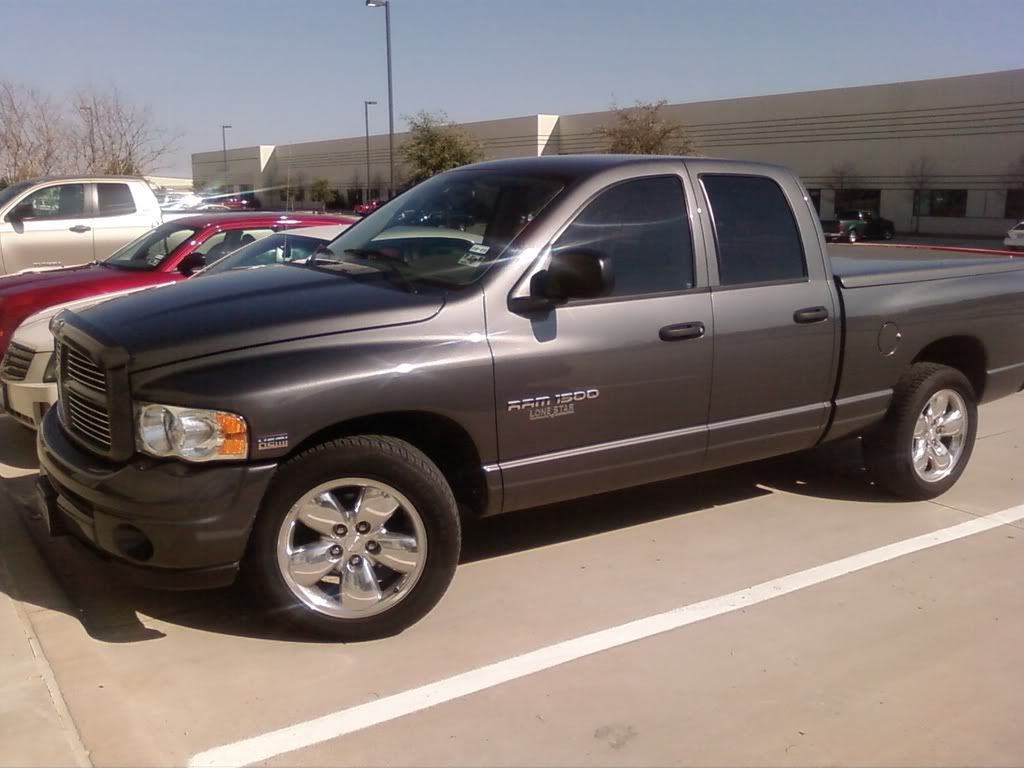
x=841, y=175
x=112, y=135
x=920, y=174
x=643, y=130
x=34, y=136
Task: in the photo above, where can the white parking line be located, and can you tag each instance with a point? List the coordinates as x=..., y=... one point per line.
x=389, y=708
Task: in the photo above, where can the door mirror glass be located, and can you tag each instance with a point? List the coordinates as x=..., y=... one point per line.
x=576, y=274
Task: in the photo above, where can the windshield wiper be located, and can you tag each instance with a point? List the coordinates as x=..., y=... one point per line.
x=386, y=263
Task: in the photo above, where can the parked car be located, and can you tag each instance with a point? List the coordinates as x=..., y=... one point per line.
x=623, y=320
x=28, y=378
x=365, y=209
x=170, y=252
x=852, y=226
x=59, y=222
x=1015, y=237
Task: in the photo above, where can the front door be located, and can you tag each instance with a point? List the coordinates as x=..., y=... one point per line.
x=602, y=394
x=776, y=325
x=55, y=231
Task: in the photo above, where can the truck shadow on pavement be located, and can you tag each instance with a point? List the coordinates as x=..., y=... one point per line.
x=114, y=612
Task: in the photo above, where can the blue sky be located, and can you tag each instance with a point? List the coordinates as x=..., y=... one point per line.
x=298, y=70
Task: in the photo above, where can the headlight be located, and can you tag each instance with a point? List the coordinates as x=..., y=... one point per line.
x=50, y=374
x=192, y=434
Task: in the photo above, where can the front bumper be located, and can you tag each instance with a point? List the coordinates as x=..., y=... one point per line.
x=163, y=524
x=29, y=399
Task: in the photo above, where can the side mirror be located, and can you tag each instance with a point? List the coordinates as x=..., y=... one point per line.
x=576, y=274
x=21, y=212
x=192, y=263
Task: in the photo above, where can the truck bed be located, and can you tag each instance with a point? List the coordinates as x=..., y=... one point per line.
x=861, y=266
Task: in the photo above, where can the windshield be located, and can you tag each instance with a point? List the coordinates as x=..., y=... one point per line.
x=281, y=248
x=448, y=230
x=147, y=252
x=9, y=193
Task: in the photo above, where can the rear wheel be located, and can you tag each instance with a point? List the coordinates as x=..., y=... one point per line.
x=926, y=440
x=357, y=539
x=852, y=236
x=888, y=234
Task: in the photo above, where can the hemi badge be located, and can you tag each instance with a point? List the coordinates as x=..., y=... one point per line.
x=271, y=442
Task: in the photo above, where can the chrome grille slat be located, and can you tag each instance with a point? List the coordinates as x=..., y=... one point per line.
x=89, y=432
x=93, y=421
x=16, y=362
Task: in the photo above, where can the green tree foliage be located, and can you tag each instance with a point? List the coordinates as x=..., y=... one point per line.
x=643, y=129
x=436, y=144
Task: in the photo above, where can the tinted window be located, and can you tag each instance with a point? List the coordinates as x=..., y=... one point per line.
x=220, y=244
x=758, y=240
x=940, y=202
x=643, y=228
x=65, y=201
x=1014, y=204
x=115, y=199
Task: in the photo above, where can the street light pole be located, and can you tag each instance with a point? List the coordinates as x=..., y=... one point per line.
x=391, y=100
x=92, y=139
x=224, y=145
x=366, y=113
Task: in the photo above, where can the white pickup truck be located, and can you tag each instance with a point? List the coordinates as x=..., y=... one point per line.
x=60, y=222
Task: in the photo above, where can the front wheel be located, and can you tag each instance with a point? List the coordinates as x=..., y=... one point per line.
x=357, y=539
x=923, y=445
x=888, y=234
x=851, y=236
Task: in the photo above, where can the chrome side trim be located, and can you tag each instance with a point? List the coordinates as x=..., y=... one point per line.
x=1004, y=369
x=630, y=442
x=863, y=398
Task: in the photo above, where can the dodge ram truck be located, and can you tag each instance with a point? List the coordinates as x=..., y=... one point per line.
x=593, y=323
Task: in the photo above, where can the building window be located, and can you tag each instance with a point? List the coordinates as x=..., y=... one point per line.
x=941, y=202
x=859, y=200
x=1014, y=204
x=815, y=196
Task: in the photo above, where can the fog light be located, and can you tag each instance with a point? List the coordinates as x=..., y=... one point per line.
x=132, y=542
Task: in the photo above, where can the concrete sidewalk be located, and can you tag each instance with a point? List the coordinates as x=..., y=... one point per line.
x=36, y=728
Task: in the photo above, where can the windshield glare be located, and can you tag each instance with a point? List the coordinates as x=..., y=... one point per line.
x=149, y=251
x=448, y=230
x=281, y=248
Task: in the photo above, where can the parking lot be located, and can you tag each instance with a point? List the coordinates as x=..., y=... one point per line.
x=780, y=613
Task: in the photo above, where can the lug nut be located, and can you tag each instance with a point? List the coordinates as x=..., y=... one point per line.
x=355, y=561
x=340, y=530
x=372, y=547
x=363, y=527
x=335, y=551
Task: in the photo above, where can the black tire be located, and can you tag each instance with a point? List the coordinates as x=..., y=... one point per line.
x=888, y=234
x=381, y=458
x=888, y=450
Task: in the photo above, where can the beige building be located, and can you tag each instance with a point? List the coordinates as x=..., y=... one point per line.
x=954, y=145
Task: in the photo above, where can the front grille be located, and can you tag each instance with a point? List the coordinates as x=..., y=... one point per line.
x=16, y=363
x=88, y=418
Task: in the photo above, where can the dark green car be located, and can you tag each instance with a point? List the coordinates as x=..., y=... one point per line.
x=852, y=226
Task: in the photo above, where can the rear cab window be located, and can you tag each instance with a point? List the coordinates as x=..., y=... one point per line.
x=756, y=234
x=114, y=199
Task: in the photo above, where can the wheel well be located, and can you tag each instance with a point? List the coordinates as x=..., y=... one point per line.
x=965, y=353
x=444, y=441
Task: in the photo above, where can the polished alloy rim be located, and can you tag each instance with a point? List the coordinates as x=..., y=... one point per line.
x=940, y=435
x=352, y=547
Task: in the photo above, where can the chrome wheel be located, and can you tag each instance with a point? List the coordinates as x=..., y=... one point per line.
x=352, y=548
x=852, y=236
x=940, y=435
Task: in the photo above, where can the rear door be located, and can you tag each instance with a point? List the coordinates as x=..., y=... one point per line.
x=57, y=233
x=116, y=219
x=776, y=330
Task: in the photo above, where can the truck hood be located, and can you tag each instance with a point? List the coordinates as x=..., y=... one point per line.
x=34, y=332
x=248, y=308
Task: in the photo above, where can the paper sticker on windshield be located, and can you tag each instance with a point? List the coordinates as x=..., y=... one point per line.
x=475, y=255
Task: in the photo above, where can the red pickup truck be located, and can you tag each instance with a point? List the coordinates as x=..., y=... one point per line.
x=172, y=251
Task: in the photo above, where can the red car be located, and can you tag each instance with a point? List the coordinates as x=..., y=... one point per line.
x=170, y=252
x=364, y=209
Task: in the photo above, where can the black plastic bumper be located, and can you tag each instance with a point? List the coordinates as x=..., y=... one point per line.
x=162, y=524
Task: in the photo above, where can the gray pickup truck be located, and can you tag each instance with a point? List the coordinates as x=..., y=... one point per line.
x=506, y=335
